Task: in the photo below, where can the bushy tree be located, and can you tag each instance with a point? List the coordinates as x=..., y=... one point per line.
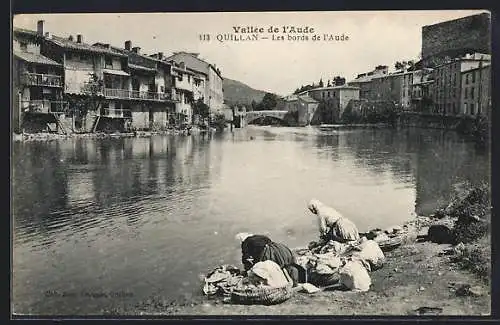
x=269, y=102
x=90, y=99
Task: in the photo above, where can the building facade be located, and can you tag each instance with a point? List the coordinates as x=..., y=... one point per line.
x=37, y=81
x=447, y=92
x=421, y=91
x=476, y=90
x=214, y=96
x=339, y=96
x=307, y=108
x=364, y=82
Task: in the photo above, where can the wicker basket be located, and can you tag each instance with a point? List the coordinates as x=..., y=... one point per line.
x=264, y=295
x=323, y=280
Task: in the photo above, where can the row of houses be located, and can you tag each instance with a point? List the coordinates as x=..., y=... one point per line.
x=457, y=86
x=453, y=81
x=52, y=75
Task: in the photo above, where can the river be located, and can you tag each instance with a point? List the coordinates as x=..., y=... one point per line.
x=108, y=223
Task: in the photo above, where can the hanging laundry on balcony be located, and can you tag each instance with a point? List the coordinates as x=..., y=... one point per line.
x=115, y=72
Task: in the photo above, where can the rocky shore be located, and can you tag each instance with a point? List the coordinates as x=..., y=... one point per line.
x=442, y=268
x=45, y=136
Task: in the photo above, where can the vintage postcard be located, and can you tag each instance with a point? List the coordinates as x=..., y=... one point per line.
x=251, y=163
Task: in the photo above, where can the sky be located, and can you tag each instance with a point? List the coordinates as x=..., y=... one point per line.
x=375, y=37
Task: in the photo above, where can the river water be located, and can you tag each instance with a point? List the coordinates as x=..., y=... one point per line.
x=101, y=224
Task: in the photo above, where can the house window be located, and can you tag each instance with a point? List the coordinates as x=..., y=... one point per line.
x=179, y=77
x=473, y=76
x=467, y=79
x=472, y=109
x=162, y=89
x=465, y=93
x=109, y=62
x=472, y=93
x=465, y=108
x=23, y=46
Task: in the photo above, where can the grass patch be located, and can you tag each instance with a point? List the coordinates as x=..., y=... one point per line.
x=476, y=257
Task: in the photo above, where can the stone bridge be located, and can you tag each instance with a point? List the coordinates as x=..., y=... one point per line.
x=253, y=115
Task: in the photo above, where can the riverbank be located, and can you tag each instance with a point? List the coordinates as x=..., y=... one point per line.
x=45, y=136
x=421, y=277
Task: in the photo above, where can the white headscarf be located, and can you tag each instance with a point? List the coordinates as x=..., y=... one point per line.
x=242, y=236
x=330, y=214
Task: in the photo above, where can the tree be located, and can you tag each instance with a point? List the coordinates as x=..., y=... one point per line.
x=201, y=109
x=253, y=105
x=328, y=84
x=399, y=65
x=268, y=102
x=90, y=99
x=93, y=90
x=320, y=82
x=219, y=121
x=339, y=81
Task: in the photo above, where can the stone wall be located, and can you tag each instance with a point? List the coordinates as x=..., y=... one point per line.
x=140, y=120
x=454, y=37
x=434, y=121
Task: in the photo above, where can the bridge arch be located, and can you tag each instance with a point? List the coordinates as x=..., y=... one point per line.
x=272, y=115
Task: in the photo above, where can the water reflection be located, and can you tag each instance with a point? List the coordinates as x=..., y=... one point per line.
x=149, y=214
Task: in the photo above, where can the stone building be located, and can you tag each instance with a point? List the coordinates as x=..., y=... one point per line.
x=339, y=96
x=455, y=38
x=447, y=92
x=364, y=81
x=214, y=96
x=421, y=91
x=307, y=108
x=476, y=90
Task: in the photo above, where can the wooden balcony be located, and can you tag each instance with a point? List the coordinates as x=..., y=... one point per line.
x=38, y=79
x=44, y=106
x=136, y=94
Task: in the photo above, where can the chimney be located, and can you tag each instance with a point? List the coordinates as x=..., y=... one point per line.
x=79, y=38
x=136, y=49
x=70, y=38
x=39, y=28
x=128, y=45
x=160, y=55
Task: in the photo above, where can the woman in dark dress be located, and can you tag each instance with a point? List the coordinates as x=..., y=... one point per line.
x=259, y=248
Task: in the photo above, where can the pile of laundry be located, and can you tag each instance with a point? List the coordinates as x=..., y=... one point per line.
x=225, y=280
x=344, y=265
x=222, y=279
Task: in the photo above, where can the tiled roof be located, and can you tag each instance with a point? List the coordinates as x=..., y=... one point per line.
x=25, y=31
x=66, y=43
x=291, y=98
x=193, y=62
x=35, y=58
x=334, y=87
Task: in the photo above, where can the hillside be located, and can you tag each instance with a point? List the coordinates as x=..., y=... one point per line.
x=236, y=92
